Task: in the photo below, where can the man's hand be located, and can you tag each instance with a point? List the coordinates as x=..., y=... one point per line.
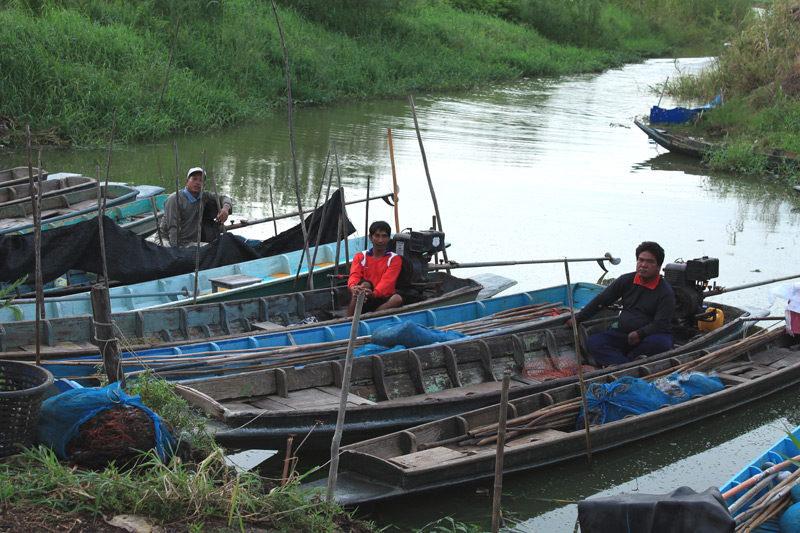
x=633, y=338
x=222, y=216
x=568, y=323
x=355, y=290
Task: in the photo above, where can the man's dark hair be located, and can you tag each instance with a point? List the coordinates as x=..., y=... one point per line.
x=652, y=247
x=380, y=225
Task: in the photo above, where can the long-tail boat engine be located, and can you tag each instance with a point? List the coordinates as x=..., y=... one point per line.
x=689, y=281
x=417, y=248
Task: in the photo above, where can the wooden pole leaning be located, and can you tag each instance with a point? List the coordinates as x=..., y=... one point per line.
x=394, y=182
x=348, y=368
x=177, y=202
x=343, y=216
x=310, y=283
x=501, y=444
x=366, y=224
x=428, y=175
x=311, y=226
x=272, y=205
x=199, y=231
x=104, y=328
x=102, y=211
x=37, y=228
x=155, y=216
x=579, y=364
x=322, y=221
x=216, y=191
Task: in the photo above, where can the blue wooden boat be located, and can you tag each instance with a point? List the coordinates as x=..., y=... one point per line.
x=250, y=279
x=136, y=216
x=393, y=390
x=171, y=326
x=52, y=186
x=17, y=216
x=160, y=359
x=759, y=480
x=17, y=175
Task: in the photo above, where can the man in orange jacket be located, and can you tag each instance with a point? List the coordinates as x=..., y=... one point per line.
x=375, y=272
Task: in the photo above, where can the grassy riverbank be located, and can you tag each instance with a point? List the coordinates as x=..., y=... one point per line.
x=196, y=491
x=760, y=78
x=67, y=65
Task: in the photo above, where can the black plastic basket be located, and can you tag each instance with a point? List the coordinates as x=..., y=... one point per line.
x=22, y=387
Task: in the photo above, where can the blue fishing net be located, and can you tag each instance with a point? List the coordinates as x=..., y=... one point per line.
x=412, y=335
x=609, y=402
x=62, y=415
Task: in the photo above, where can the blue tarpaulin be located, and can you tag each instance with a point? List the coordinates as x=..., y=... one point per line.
x=678, y=115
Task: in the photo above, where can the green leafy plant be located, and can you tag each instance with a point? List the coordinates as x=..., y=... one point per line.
x=7, y=303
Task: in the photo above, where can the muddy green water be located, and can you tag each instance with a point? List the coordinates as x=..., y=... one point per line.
x=540, y=168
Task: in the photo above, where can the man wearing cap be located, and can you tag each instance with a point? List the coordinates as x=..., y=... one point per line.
x=183, y=219
x=645, y=323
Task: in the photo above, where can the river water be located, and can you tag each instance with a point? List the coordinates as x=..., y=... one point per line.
x=539, y=168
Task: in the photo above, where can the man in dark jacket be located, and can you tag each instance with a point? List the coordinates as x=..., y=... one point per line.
x=644, y=326
x=182, y=212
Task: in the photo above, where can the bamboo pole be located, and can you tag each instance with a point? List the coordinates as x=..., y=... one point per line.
x=100, y=230
x=322, y=219
x=313, y=218
x=102, y=211
x=579, y=364
x=310, y=283
x=216, y=191
x=366, y=217
x=501, y=443
x=428, y=174
x=155, y=216
x=37, y=240
x=287, y=459
x=199, y=230
x=348, y=368
x=272, y=205
x=343, y=216
x=394, y=182
x=169, y=65
x=177, y=200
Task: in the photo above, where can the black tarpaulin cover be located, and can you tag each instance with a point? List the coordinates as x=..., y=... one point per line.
x=132, y=259
x=680, y=511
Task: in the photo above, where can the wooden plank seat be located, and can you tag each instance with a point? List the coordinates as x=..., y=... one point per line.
x=232, y=282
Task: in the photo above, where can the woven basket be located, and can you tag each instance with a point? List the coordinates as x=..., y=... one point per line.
x=22, y=387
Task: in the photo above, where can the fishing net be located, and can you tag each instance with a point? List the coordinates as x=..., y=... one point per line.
x=119, y=435
x=547, y=368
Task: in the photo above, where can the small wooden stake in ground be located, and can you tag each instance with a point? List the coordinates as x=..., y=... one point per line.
x=348, y=368
x=579, y=364
x=501, y=443
x=101, y=309
x=287, y=460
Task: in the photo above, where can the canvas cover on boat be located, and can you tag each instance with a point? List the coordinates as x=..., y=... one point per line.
x=132, y=259
x=678, y=115
x=679, y=511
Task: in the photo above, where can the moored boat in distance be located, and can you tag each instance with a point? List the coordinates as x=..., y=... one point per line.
x=543, y=427
x=17, y=175
x=398, y=389
x=18, y=216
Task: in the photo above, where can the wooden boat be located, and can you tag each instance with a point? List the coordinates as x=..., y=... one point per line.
x=286, y=346
x=699, y=148
x=17, y=175
x=764, y=479
x=678, y=143
x=542, y=426
x=174, y=326
x=399, y=389
x=136, y=216
x=250, y=279
x=15, y=217
x=52, y=186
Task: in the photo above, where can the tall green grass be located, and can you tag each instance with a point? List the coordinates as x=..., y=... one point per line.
x=68, y=64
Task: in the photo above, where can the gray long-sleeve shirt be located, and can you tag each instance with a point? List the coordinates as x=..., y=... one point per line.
x=189, y=216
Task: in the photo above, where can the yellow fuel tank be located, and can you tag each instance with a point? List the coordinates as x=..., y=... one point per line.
x=712, y=323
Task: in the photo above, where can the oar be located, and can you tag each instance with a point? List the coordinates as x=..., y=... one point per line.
x=453, y=264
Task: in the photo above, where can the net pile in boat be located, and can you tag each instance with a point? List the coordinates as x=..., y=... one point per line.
x=547, y=368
